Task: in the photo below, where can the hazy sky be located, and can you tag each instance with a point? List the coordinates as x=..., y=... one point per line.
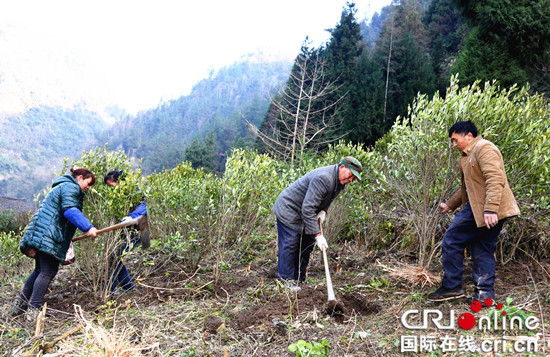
x=138, y=53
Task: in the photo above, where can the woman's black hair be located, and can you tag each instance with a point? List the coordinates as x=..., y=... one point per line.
x=113, y=176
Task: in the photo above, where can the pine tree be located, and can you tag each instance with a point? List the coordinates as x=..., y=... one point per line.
x=210, y=157
x=403, y=52
x=510, y=41
x=447, y=29
x=369, y=101
x=204, y=156
x=194, y=154
x=341, y=55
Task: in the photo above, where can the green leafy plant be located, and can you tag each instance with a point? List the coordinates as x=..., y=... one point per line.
x=10, y=256
x=306, y=349
x=11, y=221
x=105, y=206
x=378, y=283
x=510, y=311
x=418, y=168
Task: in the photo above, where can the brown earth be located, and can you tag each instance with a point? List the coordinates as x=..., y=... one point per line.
x=245, y=311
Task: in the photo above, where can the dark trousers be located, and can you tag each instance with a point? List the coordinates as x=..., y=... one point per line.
x=463, y=233
x=36, y=285
x=120, y=275
x=294, y=251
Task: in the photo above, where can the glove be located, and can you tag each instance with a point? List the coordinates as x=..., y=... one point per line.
x=321, y=241
x=322, y=215
x=126, y=219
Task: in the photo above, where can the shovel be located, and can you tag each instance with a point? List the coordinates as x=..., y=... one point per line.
x=333, y=307
x=113, y=227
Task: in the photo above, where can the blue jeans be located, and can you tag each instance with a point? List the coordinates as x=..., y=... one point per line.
x=463, y=233
x=121, y=276
x=294, y=251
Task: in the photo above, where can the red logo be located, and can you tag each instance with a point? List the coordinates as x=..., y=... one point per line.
x=467, y=320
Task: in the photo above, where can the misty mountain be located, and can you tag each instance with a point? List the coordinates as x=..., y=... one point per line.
x=161, y=135
x=34, y=143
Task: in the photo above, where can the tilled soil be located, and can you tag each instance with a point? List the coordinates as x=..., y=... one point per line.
x=244, y=309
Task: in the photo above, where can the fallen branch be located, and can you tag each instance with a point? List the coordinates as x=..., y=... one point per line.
x=49, y=345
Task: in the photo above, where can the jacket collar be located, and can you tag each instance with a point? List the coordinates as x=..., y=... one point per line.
x=471, y=146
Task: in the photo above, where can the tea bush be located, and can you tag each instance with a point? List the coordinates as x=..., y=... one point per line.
x=105, y=206
x=11, y=258
x=419, y=167
x=182, y=211
x=198, y=215
x=249, y=188
x=7, y=220
x=228, y=219
x=11, y=221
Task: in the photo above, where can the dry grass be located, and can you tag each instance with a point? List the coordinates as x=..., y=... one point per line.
x=415, y=275
x=167, y=316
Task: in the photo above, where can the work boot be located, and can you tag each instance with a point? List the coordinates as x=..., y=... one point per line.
x=32, y=313
x=19, y=306
x=443, y=294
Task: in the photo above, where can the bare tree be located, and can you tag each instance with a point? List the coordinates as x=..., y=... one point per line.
x=304, y=116
x=388, y=67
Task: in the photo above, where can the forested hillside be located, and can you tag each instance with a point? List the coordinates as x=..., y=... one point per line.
x=160, y=136
x=34, y=143
x=353, y=87
x=366, y=76
x=385, y=93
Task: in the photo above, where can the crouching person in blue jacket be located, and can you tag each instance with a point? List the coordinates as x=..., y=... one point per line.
x=49, y=234
x=120, y=277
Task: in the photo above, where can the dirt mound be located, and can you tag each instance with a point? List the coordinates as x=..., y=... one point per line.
x=212, y=323
x=355, y=303
x=309, y=299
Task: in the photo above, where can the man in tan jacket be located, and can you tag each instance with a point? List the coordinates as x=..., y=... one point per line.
x=488, y=202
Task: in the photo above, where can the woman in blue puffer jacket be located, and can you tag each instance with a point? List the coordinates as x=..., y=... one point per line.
x=49, y=234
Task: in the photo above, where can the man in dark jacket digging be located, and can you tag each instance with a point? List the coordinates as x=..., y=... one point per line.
x=298, y=209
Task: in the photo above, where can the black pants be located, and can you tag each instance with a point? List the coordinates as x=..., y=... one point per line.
x=36, y=285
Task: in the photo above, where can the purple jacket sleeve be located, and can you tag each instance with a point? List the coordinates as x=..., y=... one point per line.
x=76, y=217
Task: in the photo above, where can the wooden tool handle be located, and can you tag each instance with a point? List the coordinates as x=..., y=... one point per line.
x=110, y=228
x=330, y=290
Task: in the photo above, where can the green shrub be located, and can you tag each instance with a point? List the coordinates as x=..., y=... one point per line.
x=418, y=167
x=11, y=221
x=198, y=215
x=12, y=261
x=182, y=211
x=249, y=188
x=105, y=206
